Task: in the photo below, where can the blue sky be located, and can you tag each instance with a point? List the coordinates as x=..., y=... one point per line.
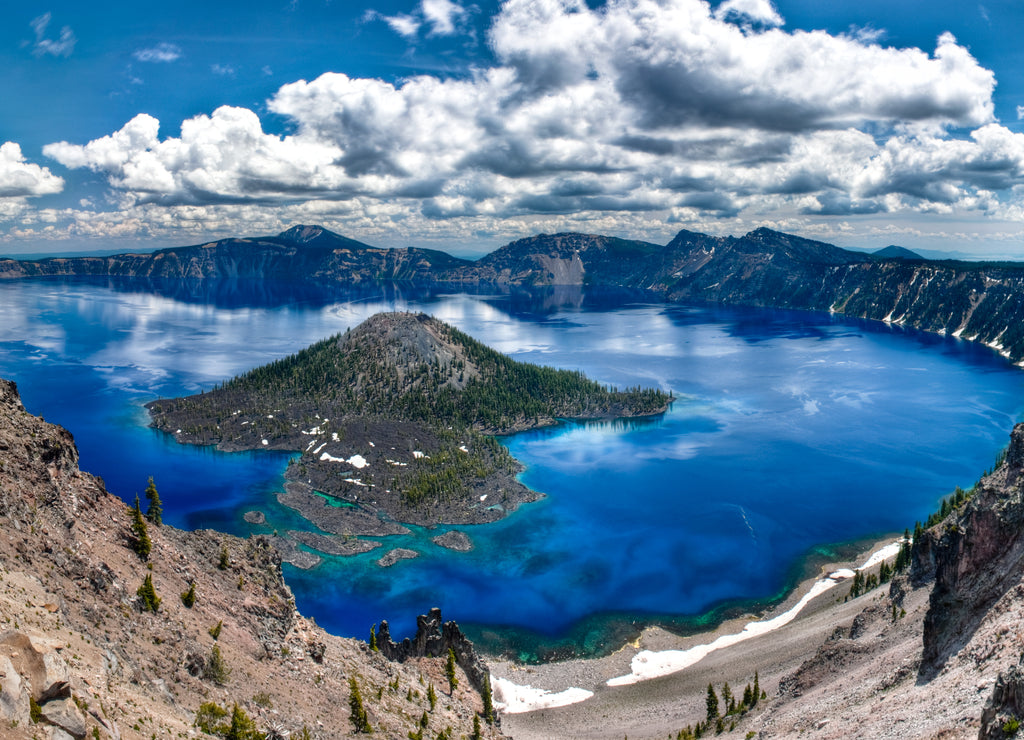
x=461, y=126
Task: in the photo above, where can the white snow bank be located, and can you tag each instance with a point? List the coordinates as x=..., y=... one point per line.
x=512, y=698
x=889, y=551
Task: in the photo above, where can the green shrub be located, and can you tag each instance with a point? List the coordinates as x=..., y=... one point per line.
x=146, y=592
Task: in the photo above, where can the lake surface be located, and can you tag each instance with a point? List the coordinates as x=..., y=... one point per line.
x=791, y=431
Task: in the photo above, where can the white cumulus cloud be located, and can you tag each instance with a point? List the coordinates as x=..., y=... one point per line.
x=20, y=179
x=667, y=109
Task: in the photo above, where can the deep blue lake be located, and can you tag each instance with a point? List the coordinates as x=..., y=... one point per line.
x=791, y=431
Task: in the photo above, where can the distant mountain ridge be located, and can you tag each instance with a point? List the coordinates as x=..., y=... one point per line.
x=981, y=301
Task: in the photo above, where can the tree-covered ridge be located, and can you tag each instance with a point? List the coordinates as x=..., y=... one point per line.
x=417, y=368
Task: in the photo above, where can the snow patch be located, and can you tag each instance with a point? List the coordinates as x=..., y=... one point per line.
x=512, y=698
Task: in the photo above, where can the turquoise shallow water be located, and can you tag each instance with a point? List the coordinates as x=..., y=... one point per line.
x=790, y=430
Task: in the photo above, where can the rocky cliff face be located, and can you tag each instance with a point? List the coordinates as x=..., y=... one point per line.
x=977, y=556
x=81, y=655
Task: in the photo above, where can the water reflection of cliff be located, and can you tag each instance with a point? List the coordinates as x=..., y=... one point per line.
x=229, y=293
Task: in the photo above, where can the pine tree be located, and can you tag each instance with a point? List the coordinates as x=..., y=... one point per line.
x=857, y=585
x=488, y=700
x=146, y=592
x=903, y=556
x=357, y=714
x=242, y=727
x=156, y=510
x=712, y=703
x=373, y=638
x=189, y=597
x=217, y=669
x=142, y=544
x=884, y=572
x=757, y=690
x=431, y=696
x=477, y=730
x=449, y=672
x=728, y=702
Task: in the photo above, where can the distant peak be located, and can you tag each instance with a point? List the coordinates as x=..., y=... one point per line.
x=763, y=232
x=899, y=253
x=302, y=233
x=319, y=237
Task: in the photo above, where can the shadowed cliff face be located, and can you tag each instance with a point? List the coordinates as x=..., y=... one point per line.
x=977, y=556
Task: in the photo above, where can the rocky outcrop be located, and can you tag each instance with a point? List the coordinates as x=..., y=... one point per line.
x=34, y=672
x=434, y=639
x=1005, y=708
x=978, y=556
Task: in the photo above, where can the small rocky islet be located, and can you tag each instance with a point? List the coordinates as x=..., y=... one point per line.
x=395, y=423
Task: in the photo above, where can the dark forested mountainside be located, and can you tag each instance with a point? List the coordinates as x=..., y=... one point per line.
x=981, y=301
x=394, y=418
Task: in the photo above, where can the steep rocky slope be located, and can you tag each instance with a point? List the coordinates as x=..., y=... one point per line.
x=81, y=656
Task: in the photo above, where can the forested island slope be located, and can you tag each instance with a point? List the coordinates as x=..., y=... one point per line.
x=395, y=419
